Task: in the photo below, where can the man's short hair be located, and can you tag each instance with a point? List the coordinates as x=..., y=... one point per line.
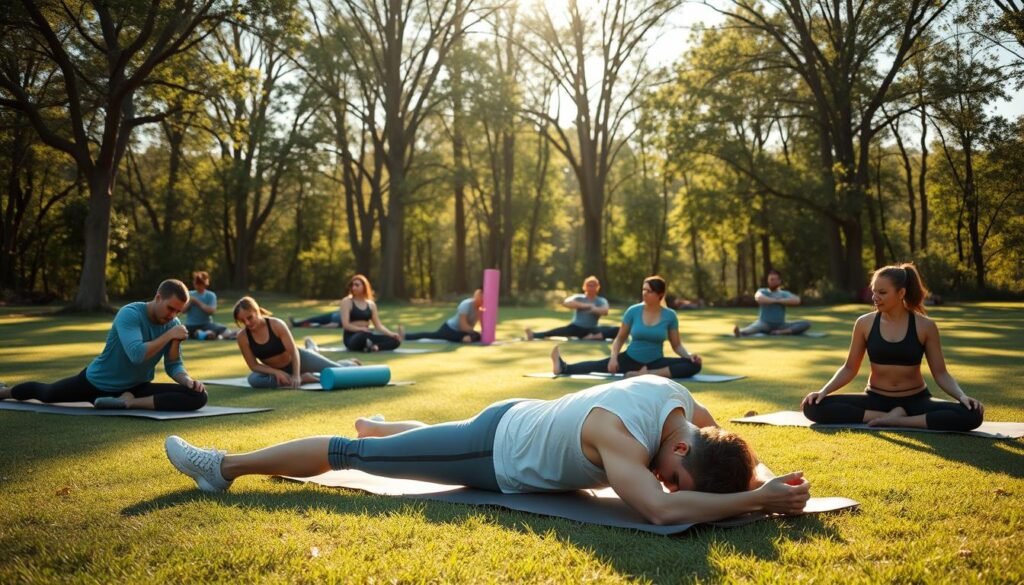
x=720, y=462
x=775, y=272
x=172, y=287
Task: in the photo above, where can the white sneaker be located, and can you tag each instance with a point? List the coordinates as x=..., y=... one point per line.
x=311, y=345
x=202, y=465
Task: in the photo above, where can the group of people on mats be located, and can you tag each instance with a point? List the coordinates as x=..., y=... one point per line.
x=646, y=436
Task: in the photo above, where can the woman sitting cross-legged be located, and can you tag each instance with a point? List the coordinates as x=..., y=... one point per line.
x=270, y=352
x=358, y=313
x=896, y=336
x=650, y=324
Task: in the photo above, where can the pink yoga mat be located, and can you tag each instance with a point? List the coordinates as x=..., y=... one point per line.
x=489, y=320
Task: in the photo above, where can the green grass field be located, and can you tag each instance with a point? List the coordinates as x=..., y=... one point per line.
x=90, y=499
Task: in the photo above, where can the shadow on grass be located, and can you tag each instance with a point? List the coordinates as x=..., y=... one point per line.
x=1005, y=457
x=648, y=556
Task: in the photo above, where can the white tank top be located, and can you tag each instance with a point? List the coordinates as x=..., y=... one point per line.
x=538, y=444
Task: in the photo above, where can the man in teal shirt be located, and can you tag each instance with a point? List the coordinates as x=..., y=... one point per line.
x=142, y=334
x=772, y=317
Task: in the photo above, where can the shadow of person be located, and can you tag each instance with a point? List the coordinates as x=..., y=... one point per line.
x=1000, y=456
x=631, y=553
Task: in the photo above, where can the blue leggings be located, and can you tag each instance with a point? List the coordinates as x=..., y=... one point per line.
x=939, y=414
x=452, y=453
x=759, y=326
x=677, y=367
x=309, y=361
x=574, y=330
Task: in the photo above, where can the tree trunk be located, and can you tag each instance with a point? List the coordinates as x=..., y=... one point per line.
x=921, y=182
x=92, y=285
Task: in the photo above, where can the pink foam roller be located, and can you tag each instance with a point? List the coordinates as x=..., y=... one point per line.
x=489, y=320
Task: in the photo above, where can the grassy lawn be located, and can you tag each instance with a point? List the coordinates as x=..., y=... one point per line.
x=90, y=499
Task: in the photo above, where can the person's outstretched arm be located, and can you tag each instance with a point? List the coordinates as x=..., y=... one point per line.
x=624, y=462
x=848, y=371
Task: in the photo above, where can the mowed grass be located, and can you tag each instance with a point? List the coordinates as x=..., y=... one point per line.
x=86, y=499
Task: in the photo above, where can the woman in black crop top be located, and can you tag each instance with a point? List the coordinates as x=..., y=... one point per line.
x=270, y=352
x=896, y=336
x=358, y=313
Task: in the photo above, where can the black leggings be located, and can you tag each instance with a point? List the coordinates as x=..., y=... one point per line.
x=446, y=333
x=79, y=389
x=574, y=330
x=677, y=367
x=940, y=415
x=362, y=340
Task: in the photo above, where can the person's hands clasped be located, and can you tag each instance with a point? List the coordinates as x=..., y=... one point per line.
x=786, y=494
x=177, y=333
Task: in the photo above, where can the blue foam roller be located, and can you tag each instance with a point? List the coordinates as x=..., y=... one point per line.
x=354, y=377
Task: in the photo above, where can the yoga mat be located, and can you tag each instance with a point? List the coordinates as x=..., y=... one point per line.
x=243, y=382
x=815, y=334
x=341, y=378
x=489, y=320
x=86, y=409
x=792, y=418
x=602, y=507
x=708, y=378
x=407, y=350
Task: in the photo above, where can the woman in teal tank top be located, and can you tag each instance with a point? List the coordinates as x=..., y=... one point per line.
x=649, y=323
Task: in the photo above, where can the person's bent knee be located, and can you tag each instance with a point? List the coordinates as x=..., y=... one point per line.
x=257, y=380
x=813, y=412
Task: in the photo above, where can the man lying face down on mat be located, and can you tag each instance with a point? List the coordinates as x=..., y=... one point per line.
x=636, y=435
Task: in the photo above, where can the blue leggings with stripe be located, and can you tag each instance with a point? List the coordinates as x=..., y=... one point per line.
x=453, y=453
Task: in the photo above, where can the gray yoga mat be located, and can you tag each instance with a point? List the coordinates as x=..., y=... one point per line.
x=792, y=418
x=243, y=382
x=602, y=507
x=601, y=377
x=86, y=409
x=402, y=350
x=804, y=334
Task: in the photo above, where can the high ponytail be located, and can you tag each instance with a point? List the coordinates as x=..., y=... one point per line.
x=907, y=277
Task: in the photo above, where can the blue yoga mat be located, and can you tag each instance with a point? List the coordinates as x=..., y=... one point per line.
x=354, y=377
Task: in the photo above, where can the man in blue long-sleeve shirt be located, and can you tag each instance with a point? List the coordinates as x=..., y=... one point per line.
x=142, y=334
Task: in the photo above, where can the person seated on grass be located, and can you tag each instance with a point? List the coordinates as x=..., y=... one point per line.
x=202, y=304
x=587, y=309
x=270, y=351
x=326, y=320
x=142, y=334
x=646, y=437
x=896, y=336
x=361, y=322
x=650, y=324
x=460, y=327
x=771, y=318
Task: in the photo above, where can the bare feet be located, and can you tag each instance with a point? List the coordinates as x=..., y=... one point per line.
x=736, y=330
x=640, y=372
x=529, y=334
x=401, y=333
x=309, y=378
x=890, y=419
x=594, y=336
x=556, y=361
x=369, y=426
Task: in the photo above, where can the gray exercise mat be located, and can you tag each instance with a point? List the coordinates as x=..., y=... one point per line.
x=792, y=418
x=86, y=409
x=243, y=382
x=602, y=507
x=601, y=377
x=814, y=334
x=404, y=350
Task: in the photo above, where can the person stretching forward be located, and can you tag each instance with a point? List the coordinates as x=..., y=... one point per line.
x=641, y=436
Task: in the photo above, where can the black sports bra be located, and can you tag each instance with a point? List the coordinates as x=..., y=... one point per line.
x=272, y=347
x=906, y=352
x=357, y=314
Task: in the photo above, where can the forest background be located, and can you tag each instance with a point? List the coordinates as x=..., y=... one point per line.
x=283, y=145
